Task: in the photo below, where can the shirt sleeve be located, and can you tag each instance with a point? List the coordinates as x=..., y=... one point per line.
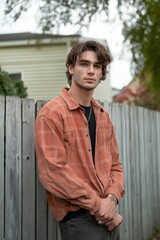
x=55, y=175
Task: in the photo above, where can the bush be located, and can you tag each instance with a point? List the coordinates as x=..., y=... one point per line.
x=10, y=87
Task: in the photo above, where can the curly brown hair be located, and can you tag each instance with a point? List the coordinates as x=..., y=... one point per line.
x=103, y=55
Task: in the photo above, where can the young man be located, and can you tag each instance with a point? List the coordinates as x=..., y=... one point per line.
x=77, y=153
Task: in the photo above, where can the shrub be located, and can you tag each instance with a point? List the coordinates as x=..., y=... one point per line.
x=11, y=87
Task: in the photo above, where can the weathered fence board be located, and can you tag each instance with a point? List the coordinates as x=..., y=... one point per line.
x=158, y=165
x=149, y=175
x=155, y=168
x=135, y=191
x=24, y=213
x=126, y=229
x=142, y=164
x=2, y=110
x=28, y=170
x=13, y=193
x=41, y=204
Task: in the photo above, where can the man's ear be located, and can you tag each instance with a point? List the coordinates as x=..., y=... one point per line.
x=70, y=69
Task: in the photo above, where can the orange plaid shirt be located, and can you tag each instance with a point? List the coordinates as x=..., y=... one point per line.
x=65, y=165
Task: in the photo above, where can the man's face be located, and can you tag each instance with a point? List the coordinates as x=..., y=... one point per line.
x=87, y=71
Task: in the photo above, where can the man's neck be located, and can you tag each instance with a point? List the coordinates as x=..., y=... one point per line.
x=81, y=96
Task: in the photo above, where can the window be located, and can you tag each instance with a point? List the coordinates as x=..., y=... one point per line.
x=15, y=76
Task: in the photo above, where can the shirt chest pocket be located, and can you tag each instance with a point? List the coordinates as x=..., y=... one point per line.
x=70, y=140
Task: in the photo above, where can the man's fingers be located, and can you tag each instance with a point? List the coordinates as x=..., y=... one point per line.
x=108, y=223
x=111, y=227
x=105, y=217
x=115, y=223
x=92, y=213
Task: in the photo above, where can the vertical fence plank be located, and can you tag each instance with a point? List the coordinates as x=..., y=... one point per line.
x=142, y=182
x=13, y=169
x=133, y=161
x=28, y=170
x=151, y=166
x=128, y=175
x=149, y=175
x=126, y=210
x=58, y=237
x=2, y=101
x=158, y=167
x=137, y=170
x=41, y=202
x=107, y=106
x=116, y=114
x=155, y=169
x=52, y=226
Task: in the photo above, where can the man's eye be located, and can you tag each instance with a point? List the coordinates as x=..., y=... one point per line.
x=98, y=66
x=83, y=64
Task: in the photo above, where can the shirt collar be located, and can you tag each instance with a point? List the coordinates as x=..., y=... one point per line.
x=72, y=104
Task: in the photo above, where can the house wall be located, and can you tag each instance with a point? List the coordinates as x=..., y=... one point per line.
x=42, y=68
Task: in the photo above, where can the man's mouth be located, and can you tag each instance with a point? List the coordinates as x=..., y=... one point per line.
x=89, y=79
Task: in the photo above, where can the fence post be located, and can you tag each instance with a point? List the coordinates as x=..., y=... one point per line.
x=2, y=147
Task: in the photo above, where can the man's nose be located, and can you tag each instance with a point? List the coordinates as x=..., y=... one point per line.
x=91, y=68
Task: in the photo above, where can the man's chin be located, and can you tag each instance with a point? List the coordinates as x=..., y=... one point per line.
x=90, y=86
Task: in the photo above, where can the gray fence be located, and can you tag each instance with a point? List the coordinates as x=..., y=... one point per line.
x=24, y=214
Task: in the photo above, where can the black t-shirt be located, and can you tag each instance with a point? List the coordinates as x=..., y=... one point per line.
x=89, y=113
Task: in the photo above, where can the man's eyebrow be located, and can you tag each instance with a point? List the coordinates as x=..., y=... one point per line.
x=87, y=61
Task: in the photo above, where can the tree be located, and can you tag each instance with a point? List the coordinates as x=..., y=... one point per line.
x=141, y=26
x=53, y=13
x=10, y=87
x=143, y=34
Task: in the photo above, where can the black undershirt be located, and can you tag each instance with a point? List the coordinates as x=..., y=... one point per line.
x=92, y=132
x=92, y=126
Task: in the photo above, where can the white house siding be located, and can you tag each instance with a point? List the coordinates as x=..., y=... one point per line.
x=103, y=91
x=42, y=67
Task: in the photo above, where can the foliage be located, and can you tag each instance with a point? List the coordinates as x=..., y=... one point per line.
x=53, y=12
x=143, y=34
x=156, y=235
x=146, y=97
x=141, y=26
x=10, y=87
x=148, y=100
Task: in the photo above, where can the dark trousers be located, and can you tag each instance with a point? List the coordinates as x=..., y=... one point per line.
x=85, y=227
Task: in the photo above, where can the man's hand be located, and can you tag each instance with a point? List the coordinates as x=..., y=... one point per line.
x=114, y=223
x=107, y=210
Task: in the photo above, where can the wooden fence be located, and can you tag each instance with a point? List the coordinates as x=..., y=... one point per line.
x=24, y=214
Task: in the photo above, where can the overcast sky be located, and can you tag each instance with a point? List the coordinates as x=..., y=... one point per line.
x=120, y=74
